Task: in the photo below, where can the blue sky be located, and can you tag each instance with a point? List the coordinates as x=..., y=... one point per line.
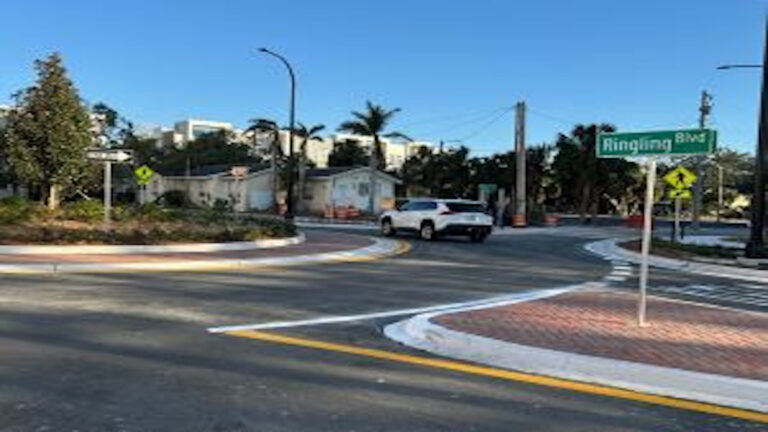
x=452, y=66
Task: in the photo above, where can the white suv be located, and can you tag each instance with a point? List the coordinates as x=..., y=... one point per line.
x=433, y=217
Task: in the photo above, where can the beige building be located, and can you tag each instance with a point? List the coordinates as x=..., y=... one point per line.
x=325, y=187
x=251, y=193
x=347, y=187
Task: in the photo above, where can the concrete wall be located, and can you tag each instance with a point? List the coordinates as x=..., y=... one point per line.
x=252, y=193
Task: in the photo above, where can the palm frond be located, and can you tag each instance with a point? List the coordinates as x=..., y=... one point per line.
x=398, y=135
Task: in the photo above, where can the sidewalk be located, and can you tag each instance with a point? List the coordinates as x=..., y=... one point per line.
x=689, y=351
x=609, y=249
x=318, y=247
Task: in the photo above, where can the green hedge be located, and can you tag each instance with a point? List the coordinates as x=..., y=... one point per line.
x=16, y=209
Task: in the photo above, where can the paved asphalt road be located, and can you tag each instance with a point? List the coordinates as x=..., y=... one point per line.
x=121, y=352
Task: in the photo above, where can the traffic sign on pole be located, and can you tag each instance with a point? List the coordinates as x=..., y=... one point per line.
x=680, y=193
x=680, y=178
x=143, y=175
x=109, y=155
x=657, y=143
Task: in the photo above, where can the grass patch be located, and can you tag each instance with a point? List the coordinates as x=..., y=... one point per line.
x=669, y=249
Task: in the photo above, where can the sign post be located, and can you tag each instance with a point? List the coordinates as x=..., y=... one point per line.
x=143, y=175
x=681, y=180
x=108, y=156
x=653, y=144
x=650, y=188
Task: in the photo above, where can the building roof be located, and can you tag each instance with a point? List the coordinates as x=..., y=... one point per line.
x=212, y=170
x=321, y=173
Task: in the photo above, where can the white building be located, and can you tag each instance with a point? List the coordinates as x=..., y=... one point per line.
x=395, y=152
x=318, y=150
x=189, y=130
x=347, y=187
x=325, y=188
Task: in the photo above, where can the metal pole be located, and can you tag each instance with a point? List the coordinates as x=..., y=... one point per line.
x=756, y=245
x=520, y=199
x=698, y=190
x=677, y=219
x=107, y=191
x=719, y=191
x=292, y=115
x=646, y=247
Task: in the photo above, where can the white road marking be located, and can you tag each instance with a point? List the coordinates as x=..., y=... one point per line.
x=489, y=302
x=616, y=278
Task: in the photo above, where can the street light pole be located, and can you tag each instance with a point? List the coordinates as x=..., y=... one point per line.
x=292, y=111
x=756, y=245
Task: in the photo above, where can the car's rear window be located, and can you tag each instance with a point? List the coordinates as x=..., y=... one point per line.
x=466, y=207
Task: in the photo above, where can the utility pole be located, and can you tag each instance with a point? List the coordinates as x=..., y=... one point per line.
x=756, y=245
x=705, y=108
x=520, y=211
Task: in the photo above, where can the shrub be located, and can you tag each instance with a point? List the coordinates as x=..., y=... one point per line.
x=154, y=213
x=174, y=198
x=84, y=211
x=15, y=209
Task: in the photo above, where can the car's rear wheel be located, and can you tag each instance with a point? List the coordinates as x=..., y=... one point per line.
x=387, y=229
x=427, y=231
x=478, y=236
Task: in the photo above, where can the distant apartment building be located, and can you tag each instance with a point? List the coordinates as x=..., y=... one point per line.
x=188, y=130
x=395, y=152
x=318, y=150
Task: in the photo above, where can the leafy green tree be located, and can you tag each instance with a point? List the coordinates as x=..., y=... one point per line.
x=347, y=153
x=586, y=181
x=48, y=133
x=306, y=134
x=373, y=123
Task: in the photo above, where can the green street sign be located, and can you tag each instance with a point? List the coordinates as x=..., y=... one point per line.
x=656, y=143
x=143, y=174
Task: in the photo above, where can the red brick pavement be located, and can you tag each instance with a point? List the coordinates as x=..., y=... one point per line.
x=601, y=323
x=317, y=242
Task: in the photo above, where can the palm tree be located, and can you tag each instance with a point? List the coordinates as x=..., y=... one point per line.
x=272, y=131
x=306, y=134
x=372, y=123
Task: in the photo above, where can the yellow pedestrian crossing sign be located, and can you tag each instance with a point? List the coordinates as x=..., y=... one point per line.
x=680, y=178
x=680, y=193
x=143, y=175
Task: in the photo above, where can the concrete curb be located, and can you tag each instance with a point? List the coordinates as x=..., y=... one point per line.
x=419, y=332
x=356, y=226
x=609, y=249
x=150, y=249
x=380, y=249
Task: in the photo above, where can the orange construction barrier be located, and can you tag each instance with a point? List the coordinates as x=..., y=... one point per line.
x=353, y=212
x=518, y=221
x=551, y=220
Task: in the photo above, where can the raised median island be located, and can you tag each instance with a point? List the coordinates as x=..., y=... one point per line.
x=24, y=223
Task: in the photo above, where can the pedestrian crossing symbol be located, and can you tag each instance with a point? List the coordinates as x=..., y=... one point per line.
x=143, y=175
x=680, y=193
x=680, y=178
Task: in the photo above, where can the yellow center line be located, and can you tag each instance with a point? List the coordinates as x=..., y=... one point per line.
x=507, y=375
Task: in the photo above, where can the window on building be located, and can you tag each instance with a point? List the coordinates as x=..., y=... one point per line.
x=363, y=189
